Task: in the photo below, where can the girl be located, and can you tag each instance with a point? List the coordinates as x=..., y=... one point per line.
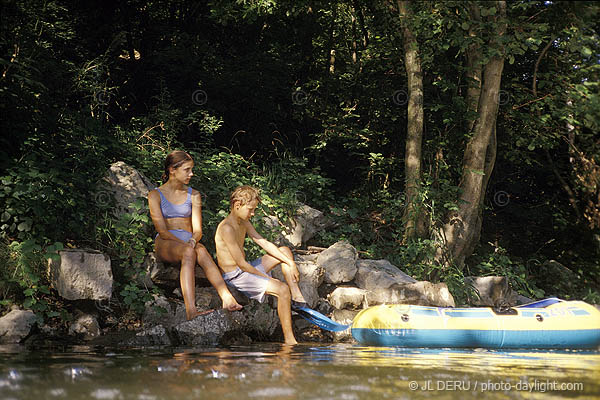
x=176, y=211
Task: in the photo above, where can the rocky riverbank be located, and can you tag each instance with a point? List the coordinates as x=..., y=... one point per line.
x=333, y=280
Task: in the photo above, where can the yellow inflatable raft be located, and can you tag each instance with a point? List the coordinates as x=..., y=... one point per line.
x=546, y=324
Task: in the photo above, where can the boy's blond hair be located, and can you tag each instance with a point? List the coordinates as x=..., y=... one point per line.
x=243, y=195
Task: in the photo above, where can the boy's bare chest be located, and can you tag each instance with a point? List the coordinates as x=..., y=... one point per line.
x=241, y=235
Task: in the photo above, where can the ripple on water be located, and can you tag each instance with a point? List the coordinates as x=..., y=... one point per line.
x=272, y=392
x=77, y=372
x=145, y=396
x=106, y=394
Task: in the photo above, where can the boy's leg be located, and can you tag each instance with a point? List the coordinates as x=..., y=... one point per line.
x=270, y=262
x=282, y=292
x=214, y=277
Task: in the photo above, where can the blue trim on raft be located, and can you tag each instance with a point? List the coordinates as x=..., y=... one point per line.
x=469, y=313
x=541, y=303
x=501, y=339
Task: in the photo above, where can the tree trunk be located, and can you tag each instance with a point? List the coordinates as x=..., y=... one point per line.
x=331, y=55
x=461, y=232
x=474, y=68
x=414, y=216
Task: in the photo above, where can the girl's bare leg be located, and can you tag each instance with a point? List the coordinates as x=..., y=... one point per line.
x=174, y=252
x=214, y=277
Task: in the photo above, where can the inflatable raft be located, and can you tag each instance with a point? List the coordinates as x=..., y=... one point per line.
x=545, y=324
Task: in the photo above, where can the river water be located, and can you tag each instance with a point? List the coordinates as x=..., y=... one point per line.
x=305, y=371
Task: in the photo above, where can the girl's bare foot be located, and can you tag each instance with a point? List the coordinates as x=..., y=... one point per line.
x=190, y=316
x=291, y=341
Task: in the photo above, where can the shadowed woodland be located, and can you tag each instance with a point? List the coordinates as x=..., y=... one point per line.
x=452, y=138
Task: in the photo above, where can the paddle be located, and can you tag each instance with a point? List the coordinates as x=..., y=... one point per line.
x=320, y=320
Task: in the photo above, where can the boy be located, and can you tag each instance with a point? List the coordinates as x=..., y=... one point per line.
x=253, y=279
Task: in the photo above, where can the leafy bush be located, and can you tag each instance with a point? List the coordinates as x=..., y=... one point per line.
x=24, y=279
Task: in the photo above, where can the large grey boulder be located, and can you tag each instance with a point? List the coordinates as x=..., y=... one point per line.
x=491, y=291
x=379, y=274
x=81, y=274
x=122, y=185
x=419, y=293
x=347, y=297
x=16, y=326
x=258, y=320
x=339, y=262
x=302, y=227
x=311, y=277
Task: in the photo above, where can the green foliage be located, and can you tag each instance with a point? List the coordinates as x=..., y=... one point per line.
x=127, y=242
x=24, y=280
x=498, y=263
x=249, y=90
x=283, y=186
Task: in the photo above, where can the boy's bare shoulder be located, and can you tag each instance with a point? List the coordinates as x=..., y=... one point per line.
x=224, y=227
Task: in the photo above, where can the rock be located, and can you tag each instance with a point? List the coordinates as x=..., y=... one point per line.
x=207, y=298
x=81, y=274
x=300, y=228
x=161, y=311
x=324, y=307
x=347, y=297
x=420, y=293
x=553, y=268
x=154, y=336
x=490, y=291
x=338, y=262
x=311, y=277
x=204, y=330
x=343, y=317
x=164, y=274
x=16, y=326
x=522, y=299
x=379, y=274
x=122, y=185
x=85, y=325
x=258, y=320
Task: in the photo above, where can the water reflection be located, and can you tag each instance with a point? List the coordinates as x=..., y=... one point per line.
x=305, y=371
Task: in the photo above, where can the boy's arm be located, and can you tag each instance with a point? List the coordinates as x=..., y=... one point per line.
x=269, y=247
x=227, y=234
